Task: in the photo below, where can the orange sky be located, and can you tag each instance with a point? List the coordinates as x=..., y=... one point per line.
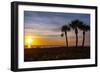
x=35, y=40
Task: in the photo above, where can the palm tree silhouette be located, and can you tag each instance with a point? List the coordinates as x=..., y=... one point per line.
x=84, y=28
x=75, y=25
x=64, y=29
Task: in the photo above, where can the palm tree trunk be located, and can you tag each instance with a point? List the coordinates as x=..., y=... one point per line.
x=66, y=38
x=76, y=32
x=76, y=40
x=83, y=38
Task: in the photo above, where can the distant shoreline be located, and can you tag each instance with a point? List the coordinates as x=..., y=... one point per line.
x=50, y=46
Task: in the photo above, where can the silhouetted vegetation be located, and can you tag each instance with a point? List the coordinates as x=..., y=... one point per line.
x=64, y=29
x=84, y=28
x=75, y=24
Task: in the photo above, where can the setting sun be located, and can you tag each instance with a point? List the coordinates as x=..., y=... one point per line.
x=28, y=41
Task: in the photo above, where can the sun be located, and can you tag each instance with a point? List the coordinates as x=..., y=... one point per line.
x=29, y=40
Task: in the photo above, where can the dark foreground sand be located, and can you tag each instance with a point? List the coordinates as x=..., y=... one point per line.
x=56, y=53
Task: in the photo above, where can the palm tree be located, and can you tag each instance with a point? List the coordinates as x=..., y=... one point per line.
x=75, y=25
x=84, y=28
x=64, y=29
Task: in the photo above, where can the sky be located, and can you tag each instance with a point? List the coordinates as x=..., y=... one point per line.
x=45, y=27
